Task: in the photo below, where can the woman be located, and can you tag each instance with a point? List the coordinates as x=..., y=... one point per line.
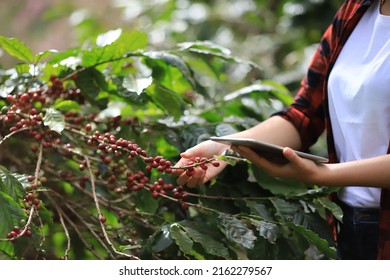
x=346, y=91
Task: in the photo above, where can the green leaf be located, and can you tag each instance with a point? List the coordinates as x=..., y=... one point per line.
x=224, y=129
x=67, y=105
x=10, y=215
x=165, y=99
x=211, y=49
x=236, y=231
x=91, y=82
x=313, y=238
x=10, y=185
x=182, y=239
x=108, y=37
x=22, y=68
x=210, y=245
x=259, y=209
x=145, y=202
x=131, y=41
x=17, y=49
x=269, y=231
x=280, y=91
x=42, y=55
x=172, y=60
x=277, y=186
x=109, y=52
x=247, y=90
x=332, y=207
x=162, y=240
x=284, y=209
x=137, y=85
x=54, y=120
x=96, y=56
x=206, y=46
x=61, y=56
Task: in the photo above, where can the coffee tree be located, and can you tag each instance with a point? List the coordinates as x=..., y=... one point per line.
x=90, y=137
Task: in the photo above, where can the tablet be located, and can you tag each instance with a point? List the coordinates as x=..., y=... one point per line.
x=269, y=151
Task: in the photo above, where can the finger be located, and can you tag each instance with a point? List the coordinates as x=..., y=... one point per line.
x=190, y=153
x=182, y=179
x=255, y=158
x=196, y=179
x=292, y=157
x=177, y=170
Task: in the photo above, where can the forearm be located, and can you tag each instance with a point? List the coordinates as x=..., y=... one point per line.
x=275, y=130
x=373, y=172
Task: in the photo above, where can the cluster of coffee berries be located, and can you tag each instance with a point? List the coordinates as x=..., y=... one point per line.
x=136, y=181
x=199, y=162
x=31, y=200
x=58, y=90
x=182, y=196
x=108, y=144
x=20, y=114
x=159, y=163
x=160, y=188
x=25, y=111
x=16, y=233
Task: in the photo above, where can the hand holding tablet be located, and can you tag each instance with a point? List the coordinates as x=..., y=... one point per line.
x=269, y=151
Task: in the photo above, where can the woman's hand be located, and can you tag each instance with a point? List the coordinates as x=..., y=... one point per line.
x=297, y=168
x=205, y=149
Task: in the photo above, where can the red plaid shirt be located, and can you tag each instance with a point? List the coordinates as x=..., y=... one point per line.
x=309, y=112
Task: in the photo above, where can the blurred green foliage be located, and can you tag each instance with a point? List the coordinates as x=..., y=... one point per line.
x=165, y=75
x=278, y=35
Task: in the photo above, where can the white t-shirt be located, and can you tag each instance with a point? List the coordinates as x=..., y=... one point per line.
x=359, y=99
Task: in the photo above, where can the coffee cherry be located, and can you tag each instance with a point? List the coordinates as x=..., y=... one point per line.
x=184, y=206
x=88, y=127
x=103, y=219
x=24, y=98
x=11, y=98
x=28, y=233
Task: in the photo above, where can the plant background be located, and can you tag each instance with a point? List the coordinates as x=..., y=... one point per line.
x=246, y=59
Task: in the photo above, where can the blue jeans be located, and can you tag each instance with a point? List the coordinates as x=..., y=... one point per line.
x=358, y=234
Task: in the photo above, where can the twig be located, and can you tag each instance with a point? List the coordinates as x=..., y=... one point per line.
x=85, y=223
x=32, y=209
x=60, y=215
x=96, y=200
x=13, y=133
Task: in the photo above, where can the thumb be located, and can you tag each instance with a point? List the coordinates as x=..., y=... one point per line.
x=290, y=154
x=189, y=153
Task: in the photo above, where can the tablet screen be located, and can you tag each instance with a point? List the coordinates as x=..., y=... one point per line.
x=267, y=150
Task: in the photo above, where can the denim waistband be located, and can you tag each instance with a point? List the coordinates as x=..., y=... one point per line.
x=358, y=212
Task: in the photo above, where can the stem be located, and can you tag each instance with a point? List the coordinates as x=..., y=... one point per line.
x=60, y=215
x=32, y=209
x=13, y=133
x=96, y=200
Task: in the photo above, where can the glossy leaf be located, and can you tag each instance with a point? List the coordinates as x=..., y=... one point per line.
x=10, y=185
x=42, y=55
x=181, y=238
x=10, y=215
x=54, y=120
x=277, y=186
x=332, y=207
x=236, y=231
x=269, y=231
x=17, y=48
x=210, y=245
x=67, y=105
x=166, y=99
x=314, y=239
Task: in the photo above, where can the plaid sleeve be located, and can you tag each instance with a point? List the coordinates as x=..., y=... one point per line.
x=307, y=112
